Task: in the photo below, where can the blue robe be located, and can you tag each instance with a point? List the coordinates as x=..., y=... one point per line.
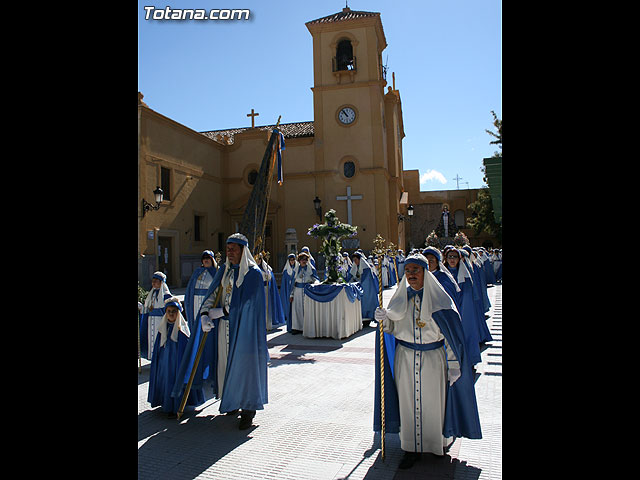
x=275, y=304
x=190, y=293
x=483, y=286
x=285, y=293
x=400, y=264
x=245, y=382
x=370, y=286
x=448, y=286
x=483, y=329
x=461, y=412
x=470, y=324
x=491, y=275
x=392, y=273
x=163, y=371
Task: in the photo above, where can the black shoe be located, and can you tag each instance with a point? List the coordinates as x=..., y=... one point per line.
x=233, y=412
x=295, y=332
x=245, y=422
x=408, y=460
x=246, y=419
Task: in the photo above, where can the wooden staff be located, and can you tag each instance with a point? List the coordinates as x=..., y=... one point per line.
x=187, y=389
x=379, y=252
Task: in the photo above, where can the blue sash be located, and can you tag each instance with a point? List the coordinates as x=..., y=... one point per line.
x=423, y=347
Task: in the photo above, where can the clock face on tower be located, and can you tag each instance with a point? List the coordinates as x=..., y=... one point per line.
x=346, y=115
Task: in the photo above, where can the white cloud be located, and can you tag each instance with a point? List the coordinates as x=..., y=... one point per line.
x=432, y=175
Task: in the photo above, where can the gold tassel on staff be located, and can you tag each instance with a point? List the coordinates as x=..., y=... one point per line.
x=378, y=251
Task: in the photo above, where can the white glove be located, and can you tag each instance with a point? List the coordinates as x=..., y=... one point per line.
x=207, y=323
x=380, y=315
x=140, y=307
x=454, y=374
x=216, y=313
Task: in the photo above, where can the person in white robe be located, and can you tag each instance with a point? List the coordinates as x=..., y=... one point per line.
x=424, y=360
x=304, y=274
x=152, y=313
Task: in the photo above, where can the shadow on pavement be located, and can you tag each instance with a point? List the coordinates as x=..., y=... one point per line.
x=208, y=438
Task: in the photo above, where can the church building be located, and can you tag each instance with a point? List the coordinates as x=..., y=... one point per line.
x=348, y=158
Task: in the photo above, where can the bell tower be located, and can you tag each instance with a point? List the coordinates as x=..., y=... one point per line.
x=350, y=121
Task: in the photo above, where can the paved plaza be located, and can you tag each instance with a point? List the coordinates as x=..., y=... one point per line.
x=318, y=422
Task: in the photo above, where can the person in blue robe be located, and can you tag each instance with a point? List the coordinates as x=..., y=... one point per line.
x=437, y=268
x=482, y=279
x=152, y=313
x=434, y=402
x=197, y=287
x=393, y=279
x=483, y=330
x=171, y=341
x=489, y=271
x=466, y=308
x=238, y=326
x=275, y=311
x=362, y=273
x=499, y=267
x=400, y=263
x=286, y=285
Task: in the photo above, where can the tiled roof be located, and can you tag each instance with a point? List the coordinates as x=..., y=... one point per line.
x=345, y=14
x=290, y=130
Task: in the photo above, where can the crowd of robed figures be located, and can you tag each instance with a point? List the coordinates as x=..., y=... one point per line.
x=433, y=339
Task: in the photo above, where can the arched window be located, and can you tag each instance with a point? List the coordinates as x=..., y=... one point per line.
x=344, y=56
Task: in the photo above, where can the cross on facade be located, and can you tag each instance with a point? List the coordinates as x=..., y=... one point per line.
x=348, y=198
x=252, y=115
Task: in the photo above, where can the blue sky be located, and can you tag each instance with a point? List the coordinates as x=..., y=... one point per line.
x=446, y=54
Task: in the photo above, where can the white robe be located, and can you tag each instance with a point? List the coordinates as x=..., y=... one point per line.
x=155, y=299
x=297, y=293
x=420, y=378
x=202, y=283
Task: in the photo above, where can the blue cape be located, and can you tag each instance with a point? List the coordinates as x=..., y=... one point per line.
x=483, y=329
x=163, y=371
x=245, y=383
x=461, y=412
x=470, y=324
x=369, y=284
x=326, y=293
x=448, y=286
x=285, y=293
x=190, y=315
x=275, y=304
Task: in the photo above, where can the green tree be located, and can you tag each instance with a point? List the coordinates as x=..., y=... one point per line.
x=482, y=219
x=497, y=123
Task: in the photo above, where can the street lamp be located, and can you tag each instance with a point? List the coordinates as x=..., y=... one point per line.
x=410, y=210
x=316, y=205
x=146, y=206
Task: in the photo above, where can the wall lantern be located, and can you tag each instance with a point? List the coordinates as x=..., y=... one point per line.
x=146, y=206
